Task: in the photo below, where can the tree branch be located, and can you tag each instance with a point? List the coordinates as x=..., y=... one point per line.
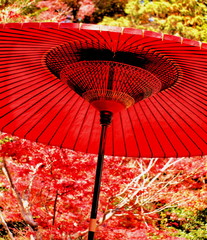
x=3, y=222
x=55, y=208
x=25, y=212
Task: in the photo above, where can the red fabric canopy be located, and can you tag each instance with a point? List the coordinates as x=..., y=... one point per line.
x=37, y=105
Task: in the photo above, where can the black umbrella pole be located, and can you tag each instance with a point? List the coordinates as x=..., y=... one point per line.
x=105, y=121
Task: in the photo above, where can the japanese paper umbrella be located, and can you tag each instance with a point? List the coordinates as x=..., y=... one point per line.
x=60, y=82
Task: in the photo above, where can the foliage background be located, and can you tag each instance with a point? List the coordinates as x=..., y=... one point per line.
x=186, y=18
x=49, y=190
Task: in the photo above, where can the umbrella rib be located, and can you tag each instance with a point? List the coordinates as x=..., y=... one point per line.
x=181, y=91
x=49, y=35
x=79, y=132
x=53, y=117
x=112, y=130
x=160, y=125
x=152, y=127
x=15, y=66
x=189, y=73
x=61, y=123
x=192, y=85
x=102, y=39
x=125, y=44
x=26, y=94
x=147, y=44
x=185, y=61
x=28, y=107
x=74, y=117
x=13, y=39
x=65, y=35
x=182, y=127
x=31, y=116
x=92, y=127
x=160, y=63
x=22, y=76
x=18, y=67
x=35, y=38
x=62, y=35
x=122, y=130
x=191, y=110
x=193, y=88
x=118, y=42
x=73, y=56
x=133, y=131
x=28, y=87
x=160, y=112
x=25, y=54
x=187, y=79
x=191, y=64
x=86, y=35
x=110, y=42
x=143, y=131
x=8, y=64
x=188, y=116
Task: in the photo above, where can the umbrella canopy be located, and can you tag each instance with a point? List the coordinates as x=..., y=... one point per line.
x=57, y=80
x=156, y=83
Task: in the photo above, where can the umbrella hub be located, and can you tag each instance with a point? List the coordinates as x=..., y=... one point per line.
x=108, y=100
x=110, y=86
x=111, y=81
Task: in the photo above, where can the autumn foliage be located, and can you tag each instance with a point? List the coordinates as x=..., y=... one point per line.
x=178, y=17
x=46, y=193
x=87, y=11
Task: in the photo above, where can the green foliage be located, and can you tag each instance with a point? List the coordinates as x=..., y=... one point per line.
x=6, y=139
x=188, y=223
x=19, y=10
x=108, y=8
x=186, y=18
x=14, y=227
x=4, y=3
x=122, y=21
x=2, y=187
x=30, y=8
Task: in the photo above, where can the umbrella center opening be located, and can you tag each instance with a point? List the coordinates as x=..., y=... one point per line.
x=111, y=81
x=110, y=86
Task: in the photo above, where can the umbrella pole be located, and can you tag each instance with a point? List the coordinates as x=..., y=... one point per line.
x=105, y=120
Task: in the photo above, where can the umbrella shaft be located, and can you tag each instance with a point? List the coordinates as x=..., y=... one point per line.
x=97, y=185
x=96, y=193
x=91, y=235
x=98, y=173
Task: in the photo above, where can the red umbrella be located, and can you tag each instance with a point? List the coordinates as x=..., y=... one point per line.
x=56, y=78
